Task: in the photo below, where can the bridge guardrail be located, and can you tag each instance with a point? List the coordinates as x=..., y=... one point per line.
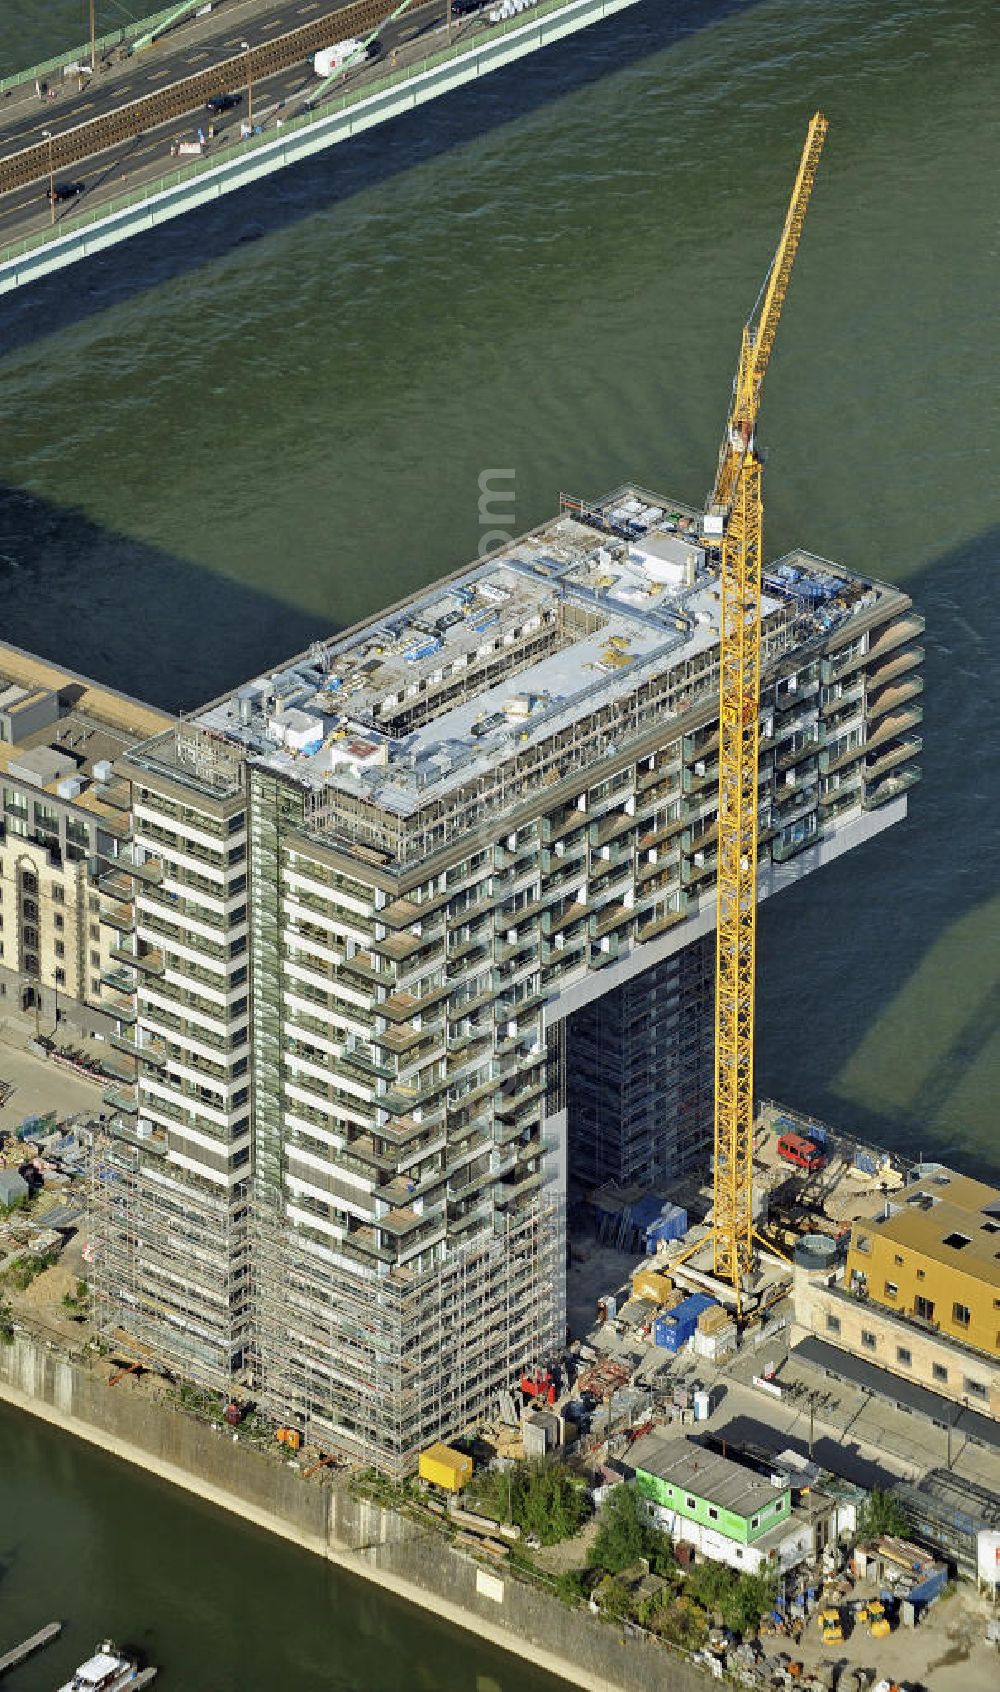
x=242, y=149
x=104, y=44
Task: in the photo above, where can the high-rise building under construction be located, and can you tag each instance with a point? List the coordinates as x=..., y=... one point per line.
x=431, y=908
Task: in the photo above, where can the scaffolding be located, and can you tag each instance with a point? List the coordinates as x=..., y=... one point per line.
x=169, y=1270
x=374, y=1367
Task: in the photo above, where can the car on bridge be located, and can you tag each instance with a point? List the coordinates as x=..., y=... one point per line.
x=465, y=8
x=60, y=191
x=222, y=103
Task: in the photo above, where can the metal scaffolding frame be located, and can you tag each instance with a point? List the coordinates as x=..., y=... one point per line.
x=374, y=1367
x=167, y=1280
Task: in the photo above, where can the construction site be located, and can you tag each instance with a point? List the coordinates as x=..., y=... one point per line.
x=441, y=1153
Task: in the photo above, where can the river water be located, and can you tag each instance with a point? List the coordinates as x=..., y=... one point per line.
x=267, y=420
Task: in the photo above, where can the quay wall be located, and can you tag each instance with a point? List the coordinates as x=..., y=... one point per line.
x=323, y=1516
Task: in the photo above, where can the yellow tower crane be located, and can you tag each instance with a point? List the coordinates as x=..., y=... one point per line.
x=735, y=514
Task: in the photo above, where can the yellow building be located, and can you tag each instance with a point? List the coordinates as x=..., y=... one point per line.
x=934, y=1257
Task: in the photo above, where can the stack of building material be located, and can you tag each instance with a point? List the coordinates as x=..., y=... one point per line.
x=653, y=1285
x=715, y=1334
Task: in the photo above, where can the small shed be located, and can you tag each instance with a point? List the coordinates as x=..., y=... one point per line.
x=12, y=1188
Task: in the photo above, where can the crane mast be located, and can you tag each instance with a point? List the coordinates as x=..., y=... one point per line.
x=735, y=508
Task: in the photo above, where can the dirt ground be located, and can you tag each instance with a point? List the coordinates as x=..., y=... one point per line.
x=946, y=1653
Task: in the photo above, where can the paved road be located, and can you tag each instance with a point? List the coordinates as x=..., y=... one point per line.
x=25, y=211
x=192, y=46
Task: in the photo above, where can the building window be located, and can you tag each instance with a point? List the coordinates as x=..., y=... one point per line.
x=862, y=1242
x=904, y=1356
x=58, y=921
x=713, y=1514
x=832, y=1324
x=921, y=1274
x=60, y=978
x=95, y=931
x=58, y=896
x=961, y=1315
x=30, y=911
x=93, y=903
x=755, y=1521
x=95, y=985
x=939, y=1371
x=95, y=958
x=898, y=1257
x=868, y=1339
x=691, y=1505
x=29, y=882
x=958, y=1242
x=923, y=1307
x=31, y=937
x=891, y=1289
x=59, y=949
x=975, y=1389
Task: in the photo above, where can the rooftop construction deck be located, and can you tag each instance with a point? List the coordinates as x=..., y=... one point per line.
x=496, y=683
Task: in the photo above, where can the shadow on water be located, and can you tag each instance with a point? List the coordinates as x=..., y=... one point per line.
x=880, y=979
x=131, y=615
x=318, y=184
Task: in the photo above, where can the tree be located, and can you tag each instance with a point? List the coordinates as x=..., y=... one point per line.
x=882, y=1513
x=6, y=1323
x=625, y=1534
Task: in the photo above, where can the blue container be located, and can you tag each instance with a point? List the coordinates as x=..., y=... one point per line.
x=818, y=1135
x=673, y=1330
x=645, y=1211
x=864, y=1160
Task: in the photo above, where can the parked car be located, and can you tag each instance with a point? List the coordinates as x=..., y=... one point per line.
x=465, y=8
x=65, y=191
x=222, y=103
x=803, y=1153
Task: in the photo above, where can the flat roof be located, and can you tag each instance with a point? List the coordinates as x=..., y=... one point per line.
x=94, y=725
x=947, y=1218
x=507, y=653
x=895, y=1389
x=705, y=1474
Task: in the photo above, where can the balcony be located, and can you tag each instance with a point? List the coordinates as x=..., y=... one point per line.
x=121, y=1100
x=121, y=917
x=907, y=628
x=660, y=923
x=402, y=1006
x=659, y=836
x=906, y=749
x=893, y=696
x=891, y=788
x=150, y=962
x=890, y=728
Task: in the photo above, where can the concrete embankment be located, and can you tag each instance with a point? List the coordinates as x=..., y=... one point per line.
x=378, y=1544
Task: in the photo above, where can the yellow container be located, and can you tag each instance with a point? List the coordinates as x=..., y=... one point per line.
x=649, y=1283
x=446, y=1468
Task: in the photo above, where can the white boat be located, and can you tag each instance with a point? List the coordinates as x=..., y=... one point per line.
x=107, y=1671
